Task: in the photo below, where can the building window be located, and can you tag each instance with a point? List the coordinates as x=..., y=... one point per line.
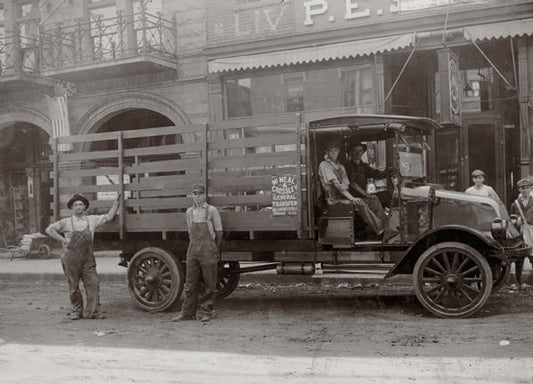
x=294, y=92
x=333, y=88
x=357, y=87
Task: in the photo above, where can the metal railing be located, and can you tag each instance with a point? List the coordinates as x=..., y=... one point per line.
x=18, y=55
x=106, y=39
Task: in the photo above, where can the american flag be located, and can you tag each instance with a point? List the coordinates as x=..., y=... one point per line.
x=58, y=109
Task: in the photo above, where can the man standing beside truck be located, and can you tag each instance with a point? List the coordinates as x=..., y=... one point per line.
x=78, y=259
x=205, y=236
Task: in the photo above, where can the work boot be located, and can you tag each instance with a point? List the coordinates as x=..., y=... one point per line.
x=97, y=316
x=206, y=317
x=75, y=316
x=182, y=317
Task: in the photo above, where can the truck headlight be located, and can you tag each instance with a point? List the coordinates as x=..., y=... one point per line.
x=498, y=229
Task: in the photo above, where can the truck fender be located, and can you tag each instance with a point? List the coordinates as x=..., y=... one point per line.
x=462, y=234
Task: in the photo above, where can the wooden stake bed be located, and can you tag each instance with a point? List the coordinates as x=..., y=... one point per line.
x=155, y=169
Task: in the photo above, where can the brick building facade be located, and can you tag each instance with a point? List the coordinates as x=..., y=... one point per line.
x=126, y=64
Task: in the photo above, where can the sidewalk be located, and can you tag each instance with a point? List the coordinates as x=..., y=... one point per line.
x=21, y=268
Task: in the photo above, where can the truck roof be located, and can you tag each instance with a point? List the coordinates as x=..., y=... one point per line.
x=374, y=127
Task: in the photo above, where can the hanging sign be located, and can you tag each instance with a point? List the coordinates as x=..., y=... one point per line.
x=284, y=195
x=450, y=102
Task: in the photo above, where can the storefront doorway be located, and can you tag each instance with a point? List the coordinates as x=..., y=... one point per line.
x=24, y=182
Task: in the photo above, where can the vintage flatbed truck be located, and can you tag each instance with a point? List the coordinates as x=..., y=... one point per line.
x=263, y=178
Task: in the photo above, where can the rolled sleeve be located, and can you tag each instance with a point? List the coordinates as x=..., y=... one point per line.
x=217, y=220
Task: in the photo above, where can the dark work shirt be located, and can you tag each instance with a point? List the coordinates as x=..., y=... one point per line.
x=358, y=173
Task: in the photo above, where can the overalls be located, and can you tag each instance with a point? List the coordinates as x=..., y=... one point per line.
x=202, y=261
x=78, y=262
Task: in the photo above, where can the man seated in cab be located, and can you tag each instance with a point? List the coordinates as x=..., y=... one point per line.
x=360, y=172
x=335, y=183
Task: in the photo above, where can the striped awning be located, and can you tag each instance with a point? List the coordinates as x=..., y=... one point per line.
x=523, y=27
x=312, y=54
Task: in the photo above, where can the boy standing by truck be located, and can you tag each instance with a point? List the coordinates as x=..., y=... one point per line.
x=205, y=236
x=523, y=206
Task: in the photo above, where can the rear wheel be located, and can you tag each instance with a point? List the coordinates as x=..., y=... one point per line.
x=227, y=280
x=452, y=280
x=155, y=279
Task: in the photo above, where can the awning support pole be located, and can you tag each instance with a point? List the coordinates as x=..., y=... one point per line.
x=491, y=63
x=401, y=72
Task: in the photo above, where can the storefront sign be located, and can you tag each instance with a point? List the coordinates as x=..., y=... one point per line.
x=450, y=101
x=284, y=195
x=241, y=20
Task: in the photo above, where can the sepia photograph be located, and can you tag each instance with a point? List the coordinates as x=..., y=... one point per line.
x=266, y=191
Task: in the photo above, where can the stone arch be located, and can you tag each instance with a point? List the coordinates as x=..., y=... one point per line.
x=26, y=115
x=112, y=105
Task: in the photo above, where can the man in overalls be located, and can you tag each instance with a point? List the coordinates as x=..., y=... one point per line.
x=78, y=259
x=205, y=235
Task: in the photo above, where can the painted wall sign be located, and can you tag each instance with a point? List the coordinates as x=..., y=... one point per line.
x=284, y=195
x=248, y=20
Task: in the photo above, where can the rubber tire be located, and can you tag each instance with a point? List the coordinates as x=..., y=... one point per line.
x=474, y=256
x=224, y=287
x=44, y=251
x=145, y=259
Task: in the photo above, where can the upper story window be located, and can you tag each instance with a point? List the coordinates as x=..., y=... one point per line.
x=350, y=87
x=357, y=84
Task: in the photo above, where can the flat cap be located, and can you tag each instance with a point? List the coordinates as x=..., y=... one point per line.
x=478, y=172
x=334, y=144
x=198, y=188
x=525, y=182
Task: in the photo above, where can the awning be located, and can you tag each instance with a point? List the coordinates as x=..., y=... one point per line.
x=512, y=28
x=312, y=54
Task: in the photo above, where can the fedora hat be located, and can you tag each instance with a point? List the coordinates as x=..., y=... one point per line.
x=78, y=197
x=356, y=144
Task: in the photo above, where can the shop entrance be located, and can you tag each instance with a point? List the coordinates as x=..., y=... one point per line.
x=484, y=150
x=24, y=181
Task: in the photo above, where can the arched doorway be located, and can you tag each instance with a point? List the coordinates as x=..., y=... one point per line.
x=129, y=120
x=24, y=181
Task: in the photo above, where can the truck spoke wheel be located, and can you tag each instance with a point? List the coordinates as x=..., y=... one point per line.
x=155, y=279
x=452, y=280
x=227, y=280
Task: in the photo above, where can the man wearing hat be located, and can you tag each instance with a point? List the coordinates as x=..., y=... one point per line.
x=335, y=183
x=76, y=234
x=205, y=236
x=359, y=172
x=479, y=188
x=523, y=206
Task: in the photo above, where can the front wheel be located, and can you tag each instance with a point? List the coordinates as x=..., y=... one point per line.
x=155, y=279
x=452, y=280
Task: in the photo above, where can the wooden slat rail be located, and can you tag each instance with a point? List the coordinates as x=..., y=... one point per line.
x=239, y=181
x=133, y=134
